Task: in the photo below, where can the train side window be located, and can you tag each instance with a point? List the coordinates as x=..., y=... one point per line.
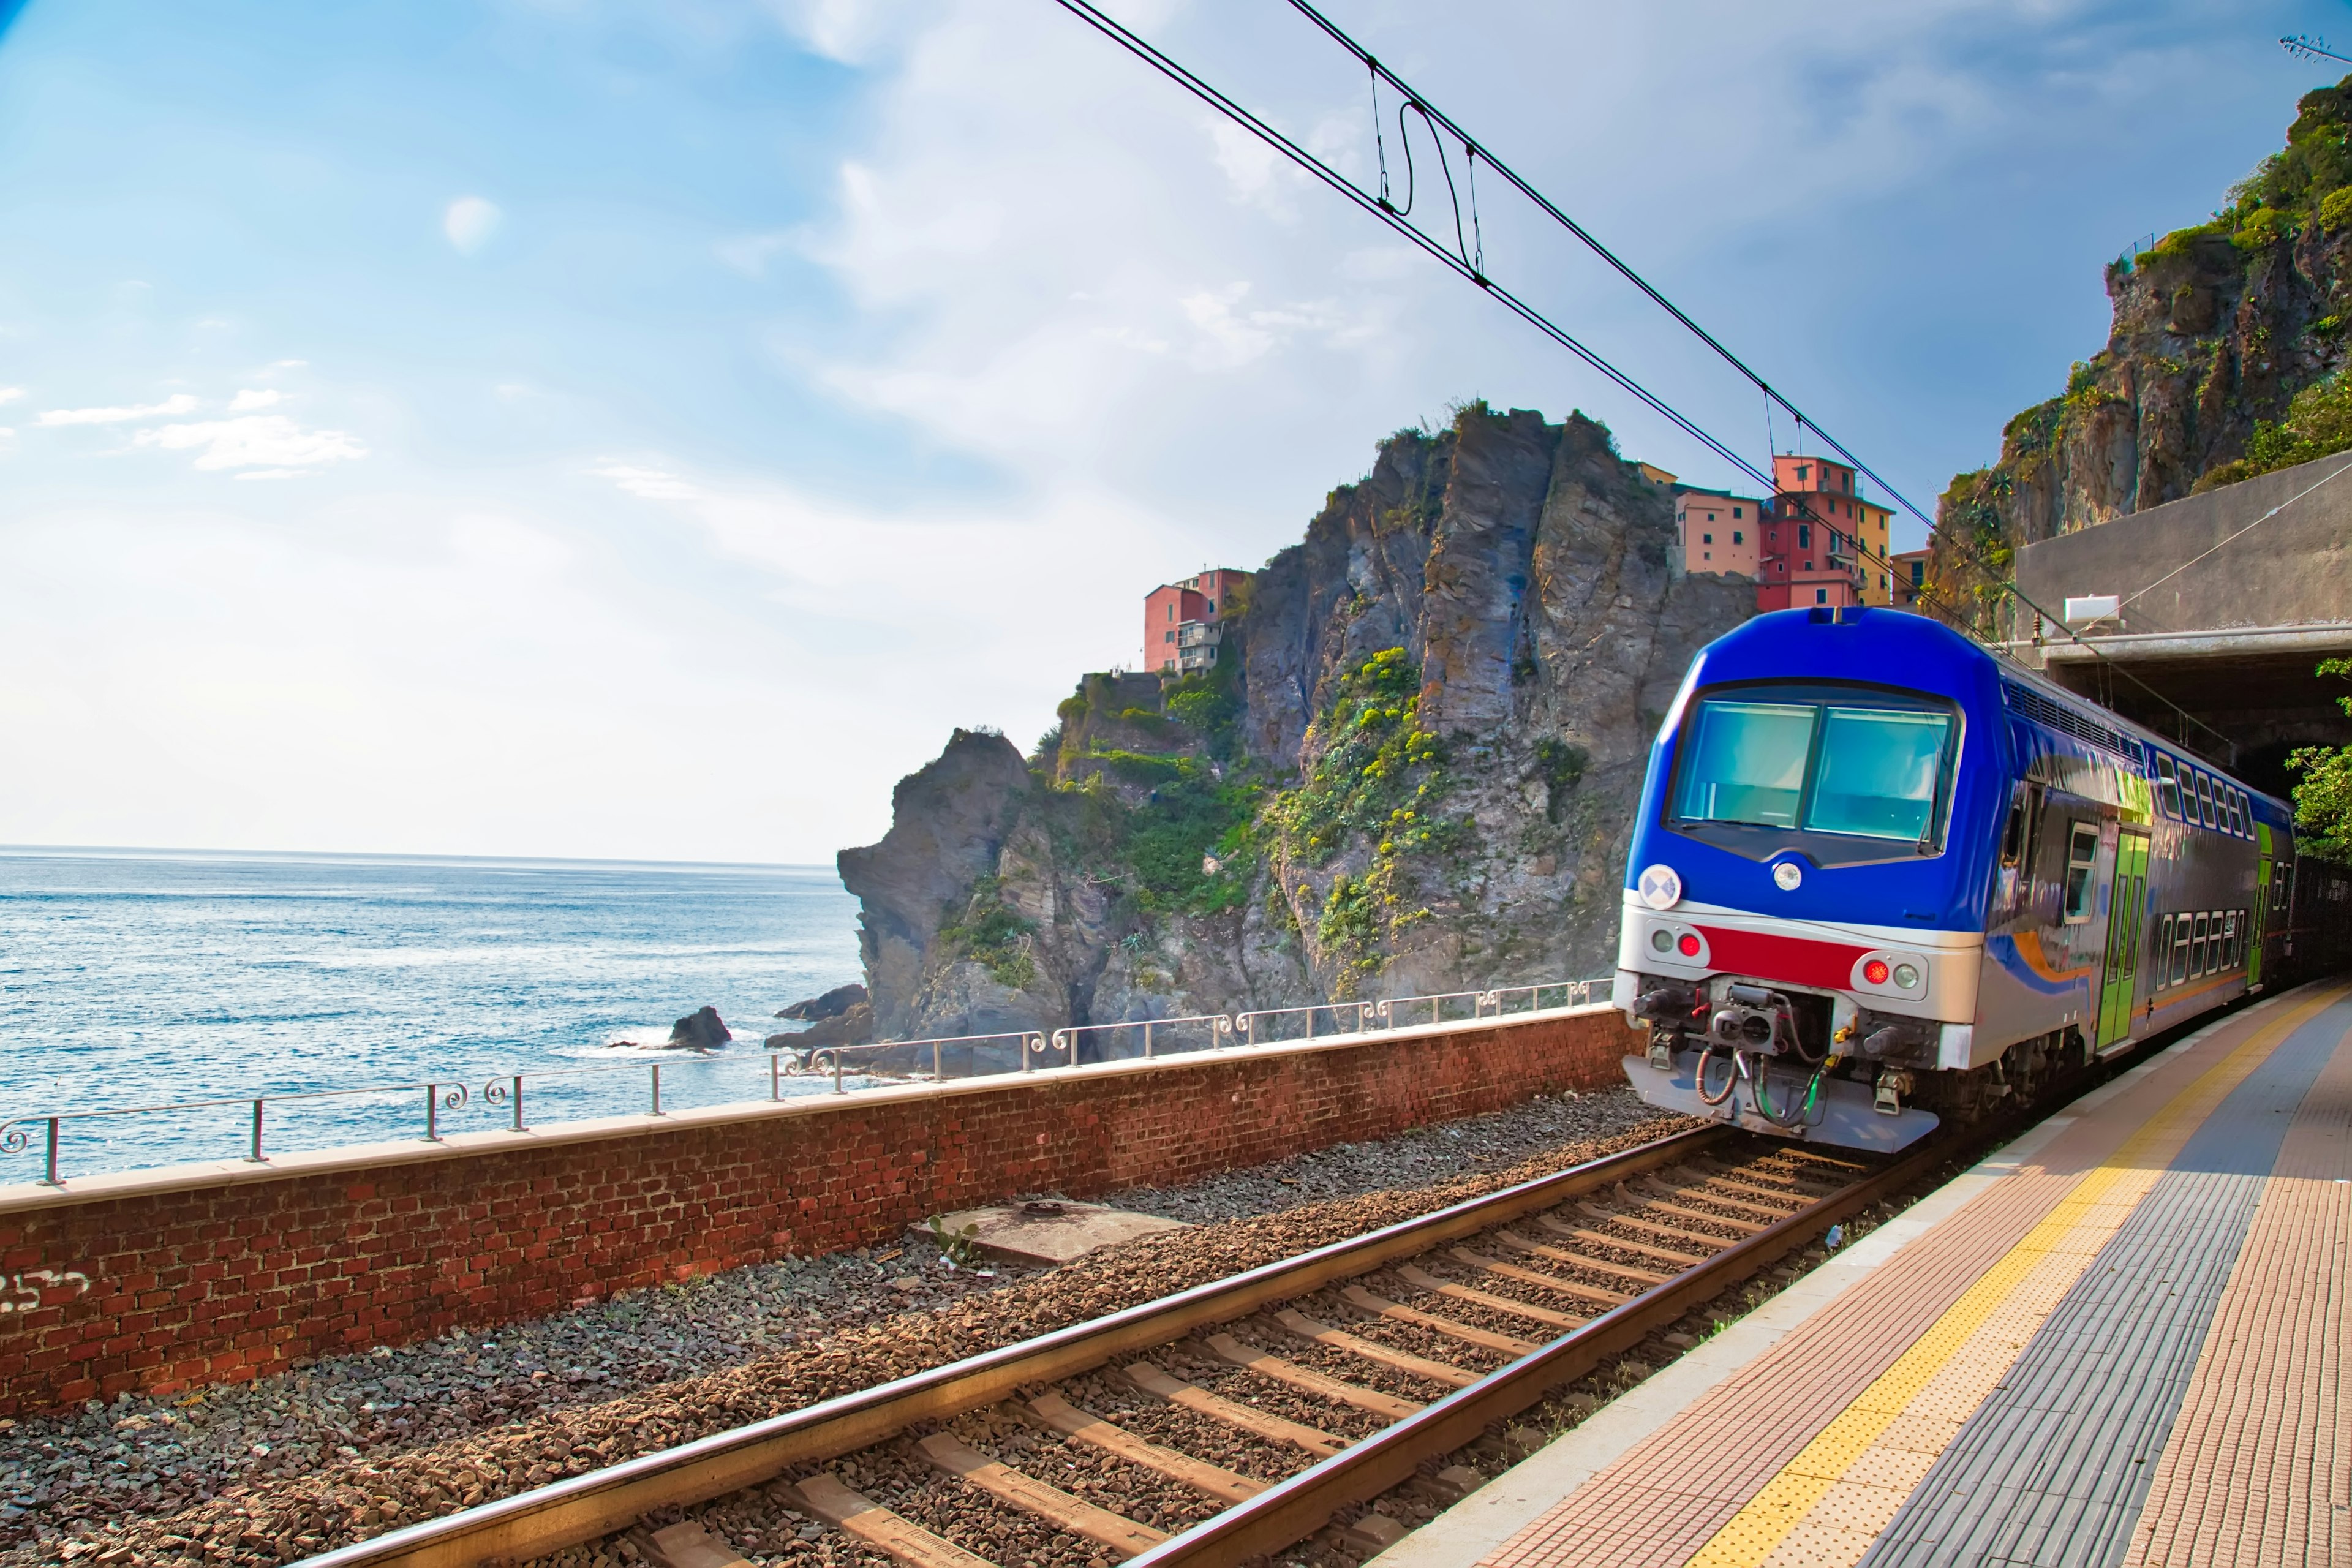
x=2167, y=786
x=2205, y=798
x=2012, y=835
x=2237, y=939
x=2082, y=855
x=2196, y=964
x=2163, y=952
x=2245, y=814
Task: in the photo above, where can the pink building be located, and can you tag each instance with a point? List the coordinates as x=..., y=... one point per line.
x=1717, y=531
x=1180, y=620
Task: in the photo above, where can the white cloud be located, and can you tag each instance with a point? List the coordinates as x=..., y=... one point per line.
x=249, y=399
x=178, y=403
x=268, y=441
x=648, y=484
x=469, y=221
x=10, y=393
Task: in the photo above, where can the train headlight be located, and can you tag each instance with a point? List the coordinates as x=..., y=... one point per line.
x=1906, y=975
x=1787, y=875
x=1662, y=940
x=1875, y=972
x=1659, y=887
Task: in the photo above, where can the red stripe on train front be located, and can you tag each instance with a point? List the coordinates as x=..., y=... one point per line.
x=1798, y=961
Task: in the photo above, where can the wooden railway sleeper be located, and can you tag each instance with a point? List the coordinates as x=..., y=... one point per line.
x=1569, y=1287
x=1040, y=1500
x=1363, y=1300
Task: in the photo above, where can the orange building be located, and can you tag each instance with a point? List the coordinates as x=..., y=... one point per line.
x=1717, y=531
x=1181, y=620
x=1910, y=577
x=1825, y=543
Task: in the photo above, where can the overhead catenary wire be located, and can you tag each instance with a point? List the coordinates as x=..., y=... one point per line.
x=1474, y=149
x=1460, y=262
x=1461, y=265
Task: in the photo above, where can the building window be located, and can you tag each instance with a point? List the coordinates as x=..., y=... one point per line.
x=1820, y=596
x=1803, y=470
x=1706, y=539
x=1212, y=606
x=1167, y=636
x=1735, y=536
x=1737, y=512
x=1804, y=536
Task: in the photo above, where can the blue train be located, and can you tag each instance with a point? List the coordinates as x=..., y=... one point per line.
x=1881, y=878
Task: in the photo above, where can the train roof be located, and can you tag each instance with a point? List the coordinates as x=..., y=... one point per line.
x=1915, y=649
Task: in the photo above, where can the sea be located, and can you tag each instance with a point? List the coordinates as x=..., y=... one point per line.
x=173, y=987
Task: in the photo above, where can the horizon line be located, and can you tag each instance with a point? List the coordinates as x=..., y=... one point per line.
x=163, y=852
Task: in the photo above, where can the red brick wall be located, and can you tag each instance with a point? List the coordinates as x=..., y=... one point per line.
x=209, y=1277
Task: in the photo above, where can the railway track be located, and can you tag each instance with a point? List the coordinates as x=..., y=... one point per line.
x=1230, y=1420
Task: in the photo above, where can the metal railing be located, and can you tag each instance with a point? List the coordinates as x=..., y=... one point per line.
x=17, y=1136
x=1027, y=1048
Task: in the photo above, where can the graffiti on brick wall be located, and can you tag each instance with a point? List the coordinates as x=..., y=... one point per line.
x=25, y=1291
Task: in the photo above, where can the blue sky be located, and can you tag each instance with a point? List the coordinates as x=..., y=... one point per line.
x=564, y=426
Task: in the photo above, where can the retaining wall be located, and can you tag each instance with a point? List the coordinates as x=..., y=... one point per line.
x=220, y=1272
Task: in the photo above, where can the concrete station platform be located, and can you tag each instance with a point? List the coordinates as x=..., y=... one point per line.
x=2120, y=1340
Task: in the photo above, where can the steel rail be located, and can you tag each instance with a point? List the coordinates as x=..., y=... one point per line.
x=597, y=1503
x=1292, y=1509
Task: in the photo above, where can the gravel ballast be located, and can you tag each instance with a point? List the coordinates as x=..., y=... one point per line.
x=293, y=1463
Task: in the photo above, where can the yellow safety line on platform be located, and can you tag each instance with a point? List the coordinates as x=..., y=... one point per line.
x=2012, y=1299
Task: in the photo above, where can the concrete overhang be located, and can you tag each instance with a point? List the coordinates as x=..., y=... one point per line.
x=2313, y=640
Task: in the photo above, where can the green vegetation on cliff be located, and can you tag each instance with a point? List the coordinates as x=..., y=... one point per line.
x=2221, y=363
x=2323, y=797
x=1376, y=779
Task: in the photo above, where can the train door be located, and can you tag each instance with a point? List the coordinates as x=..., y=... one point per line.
x=2262, y=910
x=2126, y=908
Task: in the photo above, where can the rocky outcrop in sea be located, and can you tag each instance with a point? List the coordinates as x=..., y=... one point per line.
x=1412, y=769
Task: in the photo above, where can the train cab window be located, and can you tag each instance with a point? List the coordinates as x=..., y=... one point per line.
x=1747, y=763
x=2167, y=786
x=1878, y=772
x=2082, y=856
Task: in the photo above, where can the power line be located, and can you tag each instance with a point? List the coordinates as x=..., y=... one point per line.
x=1469, y=265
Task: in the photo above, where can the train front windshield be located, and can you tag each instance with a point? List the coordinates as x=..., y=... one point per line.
x=1829, y=766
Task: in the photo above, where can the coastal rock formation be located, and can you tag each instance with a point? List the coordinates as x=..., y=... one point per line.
x=701, y=1030
x=832, y=1004
x=2214, y=330
x=1412, y=769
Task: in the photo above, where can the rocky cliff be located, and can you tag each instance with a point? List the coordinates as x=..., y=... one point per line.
x=2214, y=330
x=1412, y=771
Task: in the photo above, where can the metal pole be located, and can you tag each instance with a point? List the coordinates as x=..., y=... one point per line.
x=1147, y=1039
x=775, y=1075
x=939, y=1072
x=432, y=1113
x=52, y=1177
x=836, y=1071
x=656, y=1088
x=518, y=1101
x=1310, y=1022
x=256, y=1130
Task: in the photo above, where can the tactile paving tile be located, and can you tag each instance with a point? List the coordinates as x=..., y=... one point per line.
x=2269, y=1391
x=2052, y=1468
x=1690, y=1482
